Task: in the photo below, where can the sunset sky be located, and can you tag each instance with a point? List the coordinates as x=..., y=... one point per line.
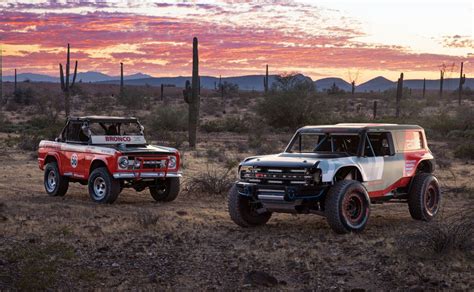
x=317, y=38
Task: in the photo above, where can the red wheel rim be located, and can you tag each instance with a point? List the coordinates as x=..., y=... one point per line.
x=353, y=208
x=431, y=199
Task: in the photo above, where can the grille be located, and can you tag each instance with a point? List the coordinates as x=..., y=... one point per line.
x=276, y=176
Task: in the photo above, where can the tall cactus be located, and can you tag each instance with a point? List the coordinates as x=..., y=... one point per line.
x=265, y=80
x=462, y=80
x=65, y=85
x=162, y=96
x=441, y=80
x=15, y=88
x=192, y=98
x=353, y=88
x=399, y=94
x=424, y=87
x=121, y=78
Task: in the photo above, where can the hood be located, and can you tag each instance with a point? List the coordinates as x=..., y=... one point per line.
x=143, y=149
x=297, y=160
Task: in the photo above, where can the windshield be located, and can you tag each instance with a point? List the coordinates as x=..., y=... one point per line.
x=325, y=143
x=113, y=129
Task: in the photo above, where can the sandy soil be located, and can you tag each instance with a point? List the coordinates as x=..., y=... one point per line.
x=191, y=243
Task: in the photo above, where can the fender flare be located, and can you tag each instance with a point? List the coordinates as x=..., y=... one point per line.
x=55, y=155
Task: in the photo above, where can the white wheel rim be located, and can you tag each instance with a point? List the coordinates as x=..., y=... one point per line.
x=51, y=181
x=100, y=188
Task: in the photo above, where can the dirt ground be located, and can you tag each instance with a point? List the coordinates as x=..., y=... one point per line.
x=191, y=243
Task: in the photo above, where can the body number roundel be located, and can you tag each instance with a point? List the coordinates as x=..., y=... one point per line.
x=74, y=160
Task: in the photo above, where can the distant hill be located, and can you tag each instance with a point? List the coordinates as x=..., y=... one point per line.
x=247, y=82
x=89, y=76
x=326, y=83
x=377, y=84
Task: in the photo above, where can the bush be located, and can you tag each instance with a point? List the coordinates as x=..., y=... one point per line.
x=449, y=234
x=214, y=181
x=167, y=118
x=147, y=219
x=228, y=124
x=464, y=151
x=132, y=98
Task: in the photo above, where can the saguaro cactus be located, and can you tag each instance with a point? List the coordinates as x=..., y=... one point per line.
x=399, y=94
x=462, y=80
x=375, y=109
x=162, y=91
x=65, y=85
x=441, y=80
x=353, y=88
x=192, y=98
x=15, y=88
x=265, y=80
x=424, y=87
x=121, y=78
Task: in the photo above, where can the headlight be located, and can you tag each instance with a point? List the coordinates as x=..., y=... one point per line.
x=172, y=162
x=136, y=164
x=123, y=162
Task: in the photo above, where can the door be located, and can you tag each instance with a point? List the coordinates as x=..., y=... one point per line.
x=74, y=151
x=381, y=165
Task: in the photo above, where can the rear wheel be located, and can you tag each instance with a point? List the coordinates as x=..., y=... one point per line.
x=347, y=207
x=243, y=210
x=425, y=197
x=103, y=188
x=166, y=192
x=54, y=183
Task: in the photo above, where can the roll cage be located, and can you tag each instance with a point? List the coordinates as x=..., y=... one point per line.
x=365, y=147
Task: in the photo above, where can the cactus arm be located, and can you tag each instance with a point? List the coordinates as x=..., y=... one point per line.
x=67, y=68
x=61, y=76
x=74, y=76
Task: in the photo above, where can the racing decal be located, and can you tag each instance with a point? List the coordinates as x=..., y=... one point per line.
x=74, y=160
x=409, y=167
x=118, y=140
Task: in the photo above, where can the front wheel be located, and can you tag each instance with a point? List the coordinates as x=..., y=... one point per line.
x=347, y=207
x=54, y=183
x=243, y=210
x=166, y=192
x=424, y=197
x=103, y=188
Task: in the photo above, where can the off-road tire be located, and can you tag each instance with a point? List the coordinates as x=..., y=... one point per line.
x=241, y=212
x=54, y=184
x=347, y=199
x=169, y=193
x=103, y=188
x=424, y=198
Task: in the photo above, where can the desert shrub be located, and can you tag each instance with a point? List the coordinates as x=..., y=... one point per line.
x=132, y=97
x=147, y=219
x=453, y=233
x=24, y=95
x=290, y=103
x=463, y=120
x=228, y=124
x=167, y=118
x=464, y=150
x=29, y=142
x=215, y=181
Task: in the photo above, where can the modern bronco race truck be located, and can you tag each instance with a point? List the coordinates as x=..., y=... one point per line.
x=108, y=154
x=337, y=171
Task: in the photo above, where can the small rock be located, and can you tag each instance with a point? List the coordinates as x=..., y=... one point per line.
x=182, y=213
x=257, y=278
x=340, y=272
x=115, y=265
x=103, y=249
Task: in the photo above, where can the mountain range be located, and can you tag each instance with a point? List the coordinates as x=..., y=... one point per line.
x=247, y=82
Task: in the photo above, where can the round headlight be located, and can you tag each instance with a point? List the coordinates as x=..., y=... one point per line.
x=123, y=162
x=172, y=162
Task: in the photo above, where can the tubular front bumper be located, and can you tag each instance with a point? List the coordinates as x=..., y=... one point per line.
x=139, y=175
x=286, y=193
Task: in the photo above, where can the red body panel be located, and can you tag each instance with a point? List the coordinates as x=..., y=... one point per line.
x=76, y=160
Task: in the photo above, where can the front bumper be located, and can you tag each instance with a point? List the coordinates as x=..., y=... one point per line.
x=282, y=193
x=140, y=175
